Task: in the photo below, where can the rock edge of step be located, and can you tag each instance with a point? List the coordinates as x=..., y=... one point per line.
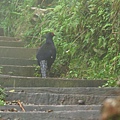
x=59, y=115
x=18, y=81
x=45, y=108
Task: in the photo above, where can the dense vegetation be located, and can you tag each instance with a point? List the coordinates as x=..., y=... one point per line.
x=87, y=33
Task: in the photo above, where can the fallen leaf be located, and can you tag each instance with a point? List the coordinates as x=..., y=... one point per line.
x=12, y=91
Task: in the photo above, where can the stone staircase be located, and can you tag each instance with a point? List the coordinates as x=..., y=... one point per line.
x=34, y=98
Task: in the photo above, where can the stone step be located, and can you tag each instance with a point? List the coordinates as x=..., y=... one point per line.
x=17, y=52
x=16, y=61
x=12, y=43
x=46, y=108
x=18, y=81
x=56, y=99
x=6, y=38
x=58, y=115
x=18, y=70
x=69, y=90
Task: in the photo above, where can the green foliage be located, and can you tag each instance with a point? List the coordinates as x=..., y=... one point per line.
x=1, y=69
x=87, y=34
x=2, y=96
x=13, y=13
x=37, y=71
x=110, y=83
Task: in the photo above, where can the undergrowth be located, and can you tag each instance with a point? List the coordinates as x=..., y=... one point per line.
x=2, y=96
x=87, y=34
